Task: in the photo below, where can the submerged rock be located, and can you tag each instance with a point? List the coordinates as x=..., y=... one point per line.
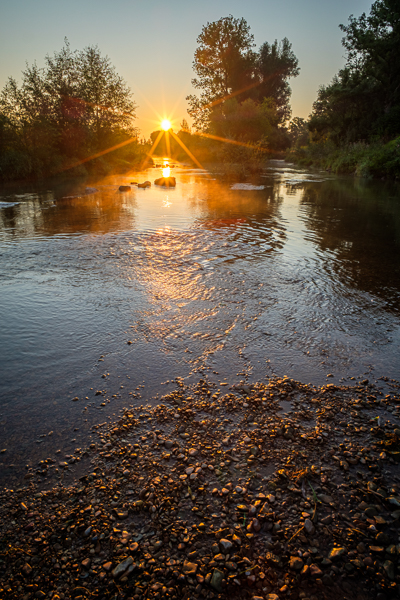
x=166, y=181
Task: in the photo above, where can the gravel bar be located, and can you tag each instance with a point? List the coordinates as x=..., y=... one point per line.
x=255, y=491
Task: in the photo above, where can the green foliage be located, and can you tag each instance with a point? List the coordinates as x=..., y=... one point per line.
x=228, y=68
x=364, y=160
x=298, y=132
x=276, y=63
x=355, y=123
x=224, y=63
x=363, y=101
x=249, y=122
x=75, y=107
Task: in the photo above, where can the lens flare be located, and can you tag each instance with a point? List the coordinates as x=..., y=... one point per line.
x=166, y=172
x=166, y=125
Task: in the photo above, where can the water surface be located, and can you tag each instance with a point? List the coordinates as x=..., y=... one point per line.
x=122, y=292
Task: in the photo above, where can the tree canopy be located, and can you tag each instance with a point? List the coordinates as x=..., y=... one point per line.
x=277, y=63
x=74, y=106
x=362, y=102
x=227, y=66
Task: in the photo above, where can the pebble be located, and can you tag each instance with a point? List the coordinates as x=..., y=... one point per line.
x=216, y=580
x=309, y=527
x=215, y=518
x=122, y=567
x=225, y=545
x=295, y=563
x=336, y=553
x=189, y=568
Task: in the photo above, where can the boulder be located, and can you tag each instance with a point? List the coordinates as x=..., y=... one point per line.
x=145, y=184
x=166, y=181
x=124, y=188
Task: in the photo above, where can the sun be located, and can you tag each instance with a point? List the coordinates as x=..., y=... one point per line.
x=166, y=125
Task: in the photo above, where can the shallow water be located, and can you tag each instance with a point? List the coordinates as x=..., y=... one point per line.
x=300, y=278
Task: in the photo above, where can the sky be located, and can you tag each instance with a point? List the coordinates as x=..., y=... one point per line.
x=151, y=43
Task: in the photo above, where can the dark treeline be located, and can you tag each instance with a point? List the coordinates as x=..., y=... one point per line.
x=74, y=108
x=355, y=123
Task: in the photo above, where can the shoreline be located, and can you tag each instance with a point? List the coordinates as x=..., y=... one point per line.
x=218, y=492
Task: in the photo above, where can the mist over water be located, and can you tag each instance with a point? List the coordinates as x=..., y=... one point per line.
x=106, y=289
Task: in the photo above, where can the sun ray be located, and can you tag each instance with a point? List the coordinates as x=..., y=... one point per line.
x=228, y=141
x=187, y=150
x=233, y=94
x=159, y=117
x=93, y=156
x=167, y=143
x=152, y=149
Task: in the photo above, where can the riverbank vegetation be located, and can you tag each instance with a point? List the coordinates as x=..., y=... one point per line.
x=65, y=118
x=354, y=126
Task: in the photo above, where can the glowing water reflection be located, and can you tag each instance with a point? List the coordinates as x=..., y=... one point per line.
x=98, y=286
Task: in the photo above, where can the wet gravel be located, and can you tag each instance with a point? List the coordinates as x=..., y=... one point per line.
x=217, y=492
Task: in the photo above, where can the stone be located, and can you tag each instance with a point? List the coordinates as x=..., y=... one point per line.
x=107, y=566
x=252, y=511
x=315, y=571
x=124, y=188
x=86, y=563
x=216, y=580
x=295, y=563
x=134, y=547
x=189, y=568
x=309, y=527
x=225, y=545
x=326, y=499
x=237, y=540
x=389, y=569
x=336, y=553
x=165, y=181
x=255, y=525
x=370, y=511
x=26, y=570
x=122, y=567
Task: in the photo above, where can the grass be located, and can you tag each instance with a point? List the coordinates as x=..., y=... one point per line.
x=375, y=160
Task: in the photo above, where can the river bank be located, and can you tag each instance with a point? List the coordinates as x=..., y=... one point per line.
x=271, y=490
x=370, y=161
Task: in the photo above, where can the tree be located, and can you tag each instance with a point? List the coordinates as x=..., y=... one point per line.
x=227, y=67
x=76, y=105
x=249, y=122
x=276, y=64
x=224, y=63
x=363, y=100
x=298, y=131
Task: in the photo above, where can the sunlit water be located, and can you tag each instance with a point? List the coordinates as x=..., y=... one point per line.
x=301, y=278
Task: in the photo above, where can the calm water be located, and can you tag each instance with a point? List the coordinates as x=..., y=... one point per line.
x=301, y=278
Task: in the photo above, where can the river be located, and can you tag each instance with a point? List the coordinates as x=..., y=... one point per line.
x=122, y=292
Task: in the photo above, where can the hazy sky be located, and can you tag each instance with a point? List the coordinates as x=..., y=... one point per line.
x=152, y=42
